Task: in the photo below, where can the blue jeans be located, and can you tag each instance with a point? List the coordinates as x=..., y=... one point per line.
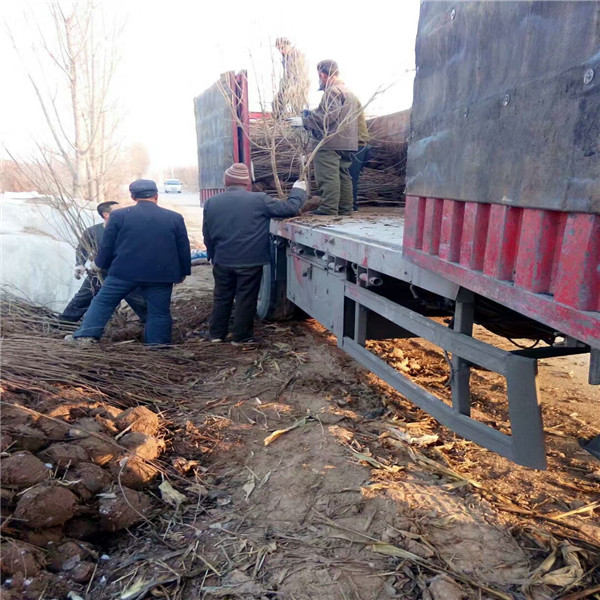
x=158, y=299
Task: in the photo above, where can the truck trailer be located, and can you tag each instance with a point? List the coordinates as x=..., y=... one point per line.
x=501, y=224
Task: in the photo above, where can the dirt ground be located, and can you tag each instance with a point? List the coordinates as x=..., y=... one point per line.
x=294, y=473
x=330, y=508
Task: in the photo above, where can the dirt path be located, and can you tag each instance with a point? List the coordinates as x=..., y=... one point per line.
x=342, y=505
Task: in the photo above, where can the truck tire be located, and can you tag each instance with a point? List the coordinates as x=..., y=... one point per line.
x=272, y=304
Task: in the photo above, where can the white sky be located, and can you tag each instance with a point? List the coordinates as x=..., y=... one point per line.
x=172, y=51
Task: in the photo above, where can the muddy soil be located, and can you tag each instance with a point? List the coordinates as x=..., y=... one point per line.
x=297, y=474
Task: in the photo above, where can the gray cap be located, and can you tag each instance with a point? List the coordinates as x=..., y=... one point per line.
x=143, y=188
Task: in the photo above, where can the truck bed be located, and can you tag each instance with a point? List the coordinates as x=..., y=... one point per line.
x=373, y=239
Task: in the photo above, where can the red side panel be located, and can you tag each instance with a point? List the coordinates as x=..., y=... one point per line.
x=545, y=264
x=541, y=233
x=432, y=225
x=206, y=194
x=503, y=241
x=452, y=225
x=474, y=235
x=414, y=221
x=578, y=272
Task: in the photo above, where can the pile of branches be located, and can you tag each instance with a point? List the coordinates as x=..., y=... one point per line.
x=382, y=181
x=272, y=142
x=35, y=355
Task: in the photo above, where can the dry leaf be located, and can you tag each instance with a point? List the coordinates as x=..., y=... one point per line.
x=249, y=486
x=170, y=495
x=276, y=434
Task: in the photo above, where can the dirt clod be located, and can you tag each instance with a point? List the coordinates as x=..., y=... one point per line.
x=54, y=430
x=28, y=438
x=64, y=454
x=17, y=557
x=443, y=587
x=5, y=441
x=22, y=470
x=12, y=414
x=65, y=556
x=133, y=472
x=81, y=528
x=122, y=507
x=100, y=449
x=139, y=419
x=42, y=538
x=144, y=446
x=83, y=427
x=106, y=411
x=46, y=506
x=82, y=572
x=90, y=479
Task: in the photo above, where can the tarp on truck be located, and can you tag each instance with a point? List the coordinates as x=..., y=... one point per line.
x=506, y=104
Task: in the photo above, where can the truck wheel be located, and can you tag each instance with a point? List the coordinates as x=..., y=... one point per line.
x=272, y=304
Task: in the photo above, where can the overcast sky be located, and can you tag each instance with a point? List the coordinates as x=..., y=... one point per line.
x=172, y=51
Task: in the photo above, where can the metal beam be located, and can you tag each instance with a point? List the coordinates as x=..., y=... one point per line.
x=466, y=347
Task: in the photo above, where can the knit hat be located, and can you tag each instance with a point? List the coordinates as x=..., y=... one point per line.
x=237, y=174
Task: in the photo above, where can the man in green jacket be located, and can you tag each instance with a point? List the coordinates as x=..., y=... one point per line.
x=334, y=128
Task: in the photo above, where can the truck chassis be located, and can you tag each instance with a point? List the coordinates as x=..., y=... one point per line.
x=338, y=273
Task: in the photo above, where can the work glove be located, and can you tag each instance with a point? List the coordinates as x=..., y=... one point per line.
x=79, y=272
x=94, y=268
x=295, y=121
x=300, y=184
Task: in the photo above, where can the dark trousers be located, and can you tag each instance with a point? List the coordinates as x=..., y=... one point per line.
x=359, y=159
x=158, y=300
x=243, y=285
x=81, y=301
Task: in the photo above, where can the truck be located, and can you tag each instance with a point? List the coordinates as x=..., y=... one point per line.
x=501, y=223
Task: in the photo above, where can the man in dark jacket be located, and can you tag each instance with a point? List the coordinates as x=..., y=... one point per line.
x=236, y=235
x=87, y=248
x=146, y=247
x=334, y=128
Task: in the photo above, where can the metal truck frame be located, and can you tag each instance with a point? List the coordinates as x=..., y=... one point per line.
x=336, y=273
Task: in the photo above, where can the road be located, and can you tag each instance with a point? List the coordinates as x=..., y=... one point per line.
x=183, y=199
x=187, y=204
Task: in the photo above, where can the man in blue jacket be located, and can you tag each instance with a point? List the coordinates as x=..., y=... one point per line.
x=145, y=247
x=87, y=249
x=236, y=235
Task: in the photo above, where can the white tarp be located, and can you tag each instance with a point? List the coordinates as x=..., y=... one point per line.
x=38, y=249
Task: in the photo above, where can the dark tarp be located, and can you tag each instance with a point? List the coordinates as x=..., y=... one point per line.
x=506, y=104
x=214, y=133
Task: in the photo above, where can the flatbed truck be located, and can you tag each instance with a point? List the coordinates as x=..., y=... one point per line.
x=501, y=225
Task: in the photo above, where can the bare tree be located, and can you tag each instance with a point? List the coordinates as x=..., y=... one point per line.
x=285, y=151
x=71, y=68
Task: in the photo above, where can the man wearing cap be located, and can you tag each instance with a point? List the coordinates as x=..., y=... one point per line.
x=86, y=250
x=146, y=247
x=334, y=128
x=236, y=235
x=292, y=96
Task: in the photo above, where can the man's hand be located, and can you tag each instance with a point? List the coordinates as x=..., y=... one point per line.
x=300, y=184
x=295, y=121
x=79, y=272
x=94, y=268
